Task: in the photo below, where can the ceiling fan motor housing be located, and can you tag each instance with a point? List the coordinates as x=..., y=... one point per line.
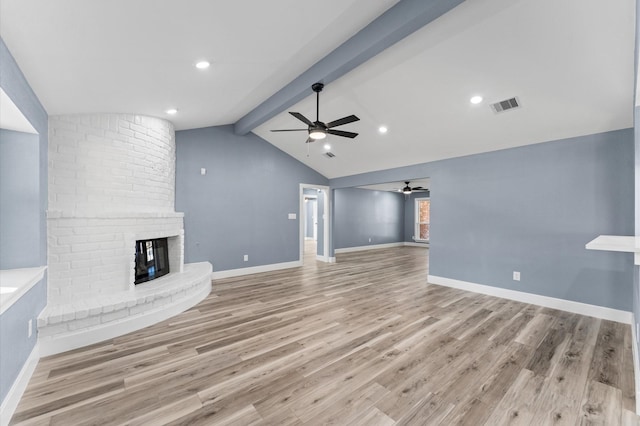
x=318, y=129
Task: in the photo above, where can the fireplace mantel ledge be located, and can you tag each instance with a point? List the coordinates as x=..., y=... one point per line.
x=59, y=214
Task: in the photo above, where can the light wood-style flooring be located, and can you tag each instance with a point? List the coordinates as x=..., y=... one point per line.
x=365, y=341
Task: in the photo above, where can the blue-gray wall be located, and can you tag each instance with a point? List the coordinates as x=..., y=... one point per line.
x=16, y=347
x=361, y=214
x=410, y=213
x=241, y=205
x=532, y=209
x=19, y=200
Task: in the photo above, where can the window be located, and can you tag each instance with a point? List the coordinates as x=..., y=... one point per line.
x=422, y=219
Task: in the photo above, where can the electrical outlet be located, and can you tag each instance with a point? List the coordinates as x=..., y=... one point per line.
x=30, y=331
x=246, y=257
x=516, y=276
x=369, y=239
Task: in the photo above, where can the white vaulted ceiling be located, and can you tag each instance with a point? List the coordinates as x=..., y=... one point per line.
x=569, y=62
x=138, y=56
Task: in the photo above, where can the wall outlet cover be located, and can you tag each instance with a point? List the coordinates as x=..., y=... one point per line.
x=516, y=276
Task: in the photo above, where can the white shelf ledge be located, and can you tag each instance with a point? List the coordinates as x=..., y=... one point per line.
x=14, y=283
x=620, y=243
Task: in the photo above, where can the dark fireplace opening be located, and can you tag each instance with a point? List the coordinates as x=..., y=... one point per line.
x=152, y=259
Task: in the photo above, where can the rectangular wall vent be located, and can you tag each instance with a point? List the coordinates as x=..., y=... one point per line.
x=329, y=154
x=505, y=105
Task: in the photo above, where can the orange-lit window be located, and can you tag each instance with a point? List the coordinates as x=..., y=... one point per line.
x=422, y=219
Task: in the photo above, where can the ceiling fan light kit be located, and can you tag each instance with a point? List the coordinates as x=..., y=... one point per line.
x=317, y=134
x=408, y=190
x=317, y=129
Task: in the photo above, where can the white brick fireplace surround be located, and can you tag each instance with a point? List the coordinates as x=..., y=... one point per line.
x=111, y=182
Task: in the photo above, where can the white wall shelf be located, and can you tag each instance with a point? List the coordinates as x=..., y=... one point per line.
x=14, y=283
x=627, y=244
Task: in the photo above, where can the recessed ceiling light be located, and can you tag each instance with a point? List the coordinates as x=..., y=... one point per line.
x=202, y=65
x=327, y=146
x=476, y=99
x=172, y=111
x=383, y=129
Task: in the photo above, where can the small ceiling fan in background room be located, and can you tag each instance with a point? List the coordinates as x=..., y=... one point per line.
x=408, y=190
x=317, y=129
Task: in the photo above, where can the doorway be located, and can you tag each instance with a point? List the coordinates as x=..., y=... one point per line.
x=310, y=219
x=314, y=223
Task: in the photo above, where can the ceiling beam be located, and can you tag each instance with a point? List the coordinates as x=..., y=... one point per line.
x=399, y=21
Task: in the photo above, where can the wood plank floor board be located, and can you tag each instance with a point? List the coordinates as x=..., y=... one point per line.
x=608, y=360
x=364, y=341
x=602, y=404
x=627, y=382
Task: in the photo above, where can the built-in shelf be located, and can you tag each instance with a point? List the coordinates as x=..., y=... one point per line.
x=621, y=243
x=14, y=283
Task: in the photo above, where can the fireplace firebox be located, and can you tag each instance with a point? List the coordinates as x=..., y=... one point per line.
x=152, y=259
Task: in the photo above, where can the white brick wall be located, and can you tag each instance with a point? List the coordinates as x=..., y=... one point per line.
x=95, y=256
x=111, y=182
x=111, y=163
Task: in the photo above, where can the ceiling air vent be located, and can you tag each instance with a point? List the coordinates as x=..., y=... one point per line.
x=329, y=154
x=505, y=105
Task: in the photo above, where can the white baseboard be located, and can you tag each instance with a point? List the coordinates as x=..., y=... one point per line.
x=10, y=402
x=535, y=299
x=636, y=361
x=410, y=244
x=381, y=246
x=73, y=340
x=217, y=275
x=332, y=259
x=323, y=258
x=371, y=247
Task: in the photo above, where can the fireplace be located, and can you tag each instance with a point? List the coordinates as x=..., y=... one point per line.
x=152, y=259
x=111, y=228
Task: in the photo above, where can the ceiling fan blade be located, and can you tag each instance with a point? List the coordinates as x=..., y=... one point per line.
x=290, y=130
x=417, y=188
x=302, y=118
x=342, y=121
x=341, y=133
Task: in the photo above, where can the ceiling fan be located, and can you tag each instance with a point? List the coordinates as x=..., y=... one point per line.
x=317, y=129
x=408, y=190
